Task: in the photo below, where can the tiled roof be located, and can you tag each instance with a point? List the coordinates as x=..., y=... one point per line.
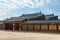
x=25, y=16
x=33, y=14
x=15, y=19
x=29, y=16
x=50, y=16
x=42, y=21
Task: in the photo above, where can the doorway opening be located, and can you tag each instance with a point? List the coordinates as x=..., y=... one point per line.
x=9, y=26
x=16, y=26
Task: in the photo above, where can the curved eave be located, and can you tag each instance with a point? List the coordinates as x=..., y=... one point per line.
x=41, y=21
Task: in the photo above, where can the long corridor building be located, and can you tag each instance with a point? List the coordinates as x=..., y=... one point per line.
x=32, y=22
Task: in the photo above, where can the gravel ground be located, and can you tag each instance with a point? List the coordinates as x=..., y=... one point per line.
x=9, y=35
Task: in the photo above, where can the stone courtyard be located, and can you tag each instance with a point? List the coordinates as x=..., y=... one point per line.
x=15, y=35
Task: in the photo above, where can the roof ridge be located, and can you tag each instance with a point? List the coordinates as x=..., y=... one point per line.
x=33, y=14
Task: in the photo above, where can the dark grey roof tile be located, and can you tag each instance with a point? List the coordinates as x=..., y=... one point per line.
x=15, y=19
x=42, y=21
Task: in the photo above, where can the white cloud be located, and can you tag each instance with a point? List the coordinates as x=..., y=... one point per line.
x=39, y=3
x=10, y=4
x=36, y=3
x=6, y=5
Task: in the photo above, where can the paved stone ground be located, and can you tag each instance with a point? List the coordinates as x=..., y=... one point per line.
x=9, y=35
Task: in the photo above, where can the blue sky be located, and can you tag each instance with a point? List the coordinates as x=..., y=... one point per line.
x=14, y=8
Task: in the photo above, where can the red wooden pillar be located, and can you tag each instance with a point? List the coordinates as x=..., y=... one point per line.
x=56, y=27
x=9, y=26
x=27, y=27
x=48, y=27
x=33, y=27
x=40, y=27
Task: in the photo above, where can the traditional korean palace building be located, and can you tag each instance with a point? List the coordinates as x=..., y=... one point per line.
x=32, y=22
